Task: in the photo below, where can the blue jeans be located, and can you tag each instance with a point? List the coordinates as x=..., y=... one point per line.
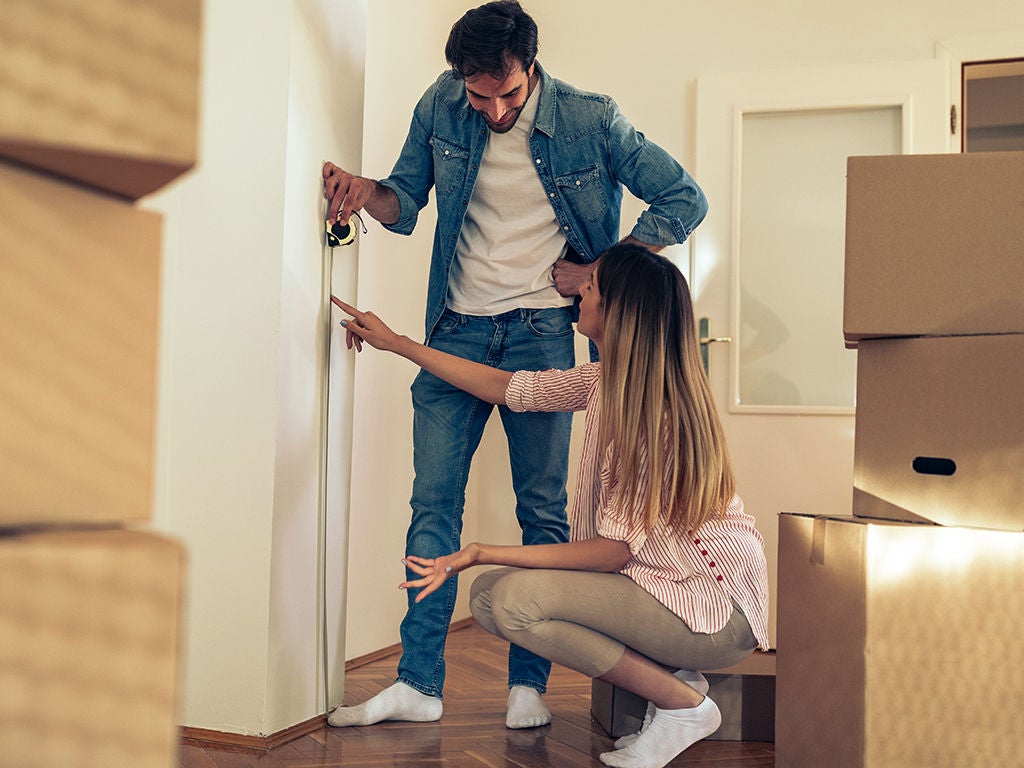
x=447, y=426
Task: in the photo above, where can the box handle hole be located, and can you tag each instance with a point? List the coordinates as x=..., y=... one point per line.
x=930, y=465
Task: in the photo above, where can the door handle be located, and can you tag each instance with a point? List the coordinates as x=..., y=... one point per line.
x=705, y=338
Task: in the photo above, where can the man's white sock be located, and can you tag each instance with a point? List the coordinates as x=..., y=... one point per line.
x=397, y=702
x=526, y=709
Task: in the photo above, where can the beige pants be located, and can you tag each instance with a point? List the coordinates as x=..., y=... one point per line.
x=584, y=620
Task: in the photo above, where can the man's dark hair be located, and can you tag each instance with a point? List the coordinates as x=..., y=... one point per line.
x=491, y=39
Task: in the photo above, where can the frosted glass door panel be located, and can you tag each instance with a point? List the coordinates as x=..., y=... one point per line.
x=791, y=239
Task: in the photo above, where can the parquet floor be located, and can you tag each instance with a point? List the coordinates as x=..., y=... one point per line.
x=471, y=733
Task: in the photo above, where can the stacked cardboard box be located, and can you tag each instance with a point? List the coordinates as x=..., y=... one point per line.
x=104, y=92
x=899, y=642
x=98, y=105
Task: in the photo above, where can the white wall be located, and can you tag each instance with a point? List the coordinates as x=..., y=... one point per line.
x=243, y=355
x=324, y=122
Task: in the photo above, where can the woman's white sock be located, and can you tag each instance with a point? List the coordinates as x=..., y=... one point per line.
x=671, y=731
x=692, y=678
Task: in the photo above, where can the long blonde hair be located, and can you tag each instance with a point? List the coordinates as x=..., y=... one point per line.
x=656, y=405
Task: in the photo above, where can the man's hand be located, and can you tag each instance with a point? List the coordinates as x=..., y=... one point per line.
x=570, y=276
x=346, y=193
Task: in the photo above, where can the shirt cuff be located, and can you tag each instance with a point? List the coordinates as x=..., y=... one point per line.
x=516, y=392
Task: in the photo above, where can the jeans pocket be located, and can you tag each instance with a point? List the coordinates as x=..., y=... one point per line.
x=448, y=324
x=550, y=323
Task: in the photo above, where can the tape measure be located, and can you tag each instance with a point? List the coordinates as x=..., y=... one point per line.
x=341, y=234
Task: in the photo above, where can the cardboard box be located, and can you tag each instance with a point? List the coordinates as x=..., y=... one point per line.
x=934, y=245
x=899, y=645
x=940, y=431
x=616, y=710
x=79, y=308
x=105, y=92
x=89, y=646
x=745, y=694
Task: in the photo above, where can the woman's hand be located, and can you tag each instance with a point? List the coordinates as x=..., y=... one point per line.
x=366, y=326
x=436, y=570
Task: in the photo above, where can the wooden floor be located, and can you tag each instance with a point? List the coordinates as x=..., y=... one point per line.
x=471, y=733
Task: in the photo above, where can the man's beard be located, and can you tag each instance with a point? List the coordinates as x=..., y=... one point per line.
x=503, y=127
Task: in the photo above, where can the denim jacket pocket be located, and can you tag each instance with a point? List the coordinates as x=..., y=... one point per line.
x=450, y=162
x=583, y=191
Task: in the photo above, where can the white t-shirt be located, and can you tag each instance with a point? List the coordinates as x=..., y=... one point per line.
x=510, y=238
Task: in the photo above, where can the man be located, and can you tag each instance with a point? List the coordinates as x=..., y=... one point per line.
x=528, y=174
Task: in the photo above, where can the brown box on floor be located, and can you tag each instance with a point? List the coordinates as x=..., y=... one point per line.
x=89, y=644
x=79, y=295
x=898, y=645
x=616, y=710
x=934, y=245
x=745, y=694
x=940, y=430
x=105, y=92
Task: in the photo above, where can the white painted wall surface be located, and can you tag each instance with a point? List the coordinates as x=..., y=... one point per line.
x=324, y=122
x=242, y=356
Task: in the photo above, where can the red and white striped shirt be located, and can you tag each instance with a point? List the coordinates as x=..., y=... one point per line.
x=696, y=576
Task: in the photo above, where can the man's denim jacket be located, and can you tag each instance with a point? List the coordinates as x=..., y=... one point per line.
x=584, y=150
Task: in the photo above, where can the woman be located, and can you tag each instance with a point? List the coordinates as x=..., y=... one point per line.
x=664, y=570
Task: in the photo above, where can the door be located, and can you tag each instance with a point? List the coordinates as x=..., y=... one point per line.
x=767, y=265
x=967, y=58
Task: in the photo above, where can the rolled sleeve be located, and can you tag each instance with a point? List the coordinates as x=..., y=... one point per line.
x=408, y=211
x=676, y=204
x=617, y=529
x=413, y=174
x=551, y=390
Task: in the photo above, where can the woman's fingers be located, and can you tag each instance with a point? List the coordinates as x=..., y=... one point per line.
x=433, y=573
x=353, y=331
x=345, y=307
x=422, y=570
